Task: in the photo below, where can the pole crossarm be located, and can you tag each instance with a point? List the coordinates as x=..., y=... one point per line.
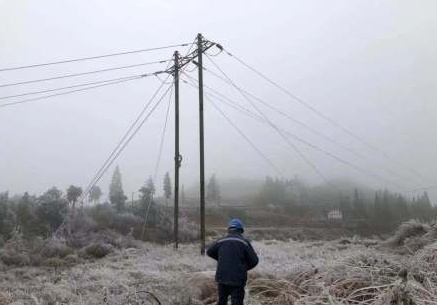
x=191, y=57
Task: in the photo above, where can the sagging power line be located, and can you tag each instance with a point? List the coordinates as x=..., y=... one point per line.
x=322, y=115
x=281, y=134
x=94, y=57
x=110, y=83
x=259, y=118
x=70, y=87
x=302, y=124
x=82, y=74
x=121, y=143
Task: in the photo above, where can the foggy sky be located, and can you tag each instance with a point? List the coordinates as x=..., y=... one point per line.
x=368, y=65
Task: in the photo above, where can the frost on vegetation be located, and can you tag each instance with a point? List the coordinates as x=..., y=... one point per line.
x=412, y=236
x=345, y=271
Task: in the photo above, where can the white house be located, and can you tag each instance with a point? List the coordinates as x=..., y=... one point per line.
x=335, y=215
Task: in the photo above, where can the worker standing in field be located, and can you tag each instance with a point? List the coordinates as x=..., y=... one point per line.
x=235, y=256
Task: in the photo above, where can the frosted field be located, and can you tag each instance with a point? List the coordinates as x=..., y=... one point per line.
x=338, y=272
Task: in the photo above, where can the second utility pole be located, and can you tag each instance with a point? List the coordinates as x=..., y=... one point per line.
x=177, y=156
x=202, y=144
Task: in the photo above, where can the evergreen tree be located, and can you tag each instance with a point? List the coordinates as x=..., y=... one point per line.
x=95, y=194
x=6, y=216
x=377, y=216
x=116, y=194
x=26, y=218
x=386, y=215
x=423, y=208
x=167, y=187
x=147, y=208
x=73, y=194
x=276, y=192
x=345, y=208
x=51, y=209
x=358, y=205
x=212, y=190
x=151, y=187
x=147, y=191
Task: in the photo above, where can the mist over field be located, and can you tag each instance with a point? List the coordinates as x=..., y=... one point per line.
x=319, y=135
x=368, y=66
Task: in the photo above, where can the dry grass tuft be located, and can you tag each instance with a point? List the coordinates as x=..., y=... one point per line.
x=55, y=248
x=411, y=237
x=202, y=288
x=98, y=250
x=276, y=291
x=6, y=298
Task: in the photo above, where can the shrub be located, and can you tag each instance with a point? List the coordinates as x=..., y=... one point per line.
x=188, y=231
x=102, y=215
x=51, y=209
x=72, y=259
x=10, y=258
x=81, y=223
x=98, y=250
x=55, y=248
x=406, y=230
x=53, y=262
x=126, y=223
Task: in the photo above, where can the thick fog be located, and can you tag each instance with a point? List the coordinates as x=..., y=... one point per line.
x=367, y=65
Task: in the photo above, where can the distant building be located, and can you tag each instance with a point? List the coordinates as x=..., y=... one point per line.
x=335, y=215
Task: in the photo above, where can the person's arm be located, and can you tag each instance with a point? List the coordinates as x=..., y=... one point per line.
x=212, y=251
x=252, y=258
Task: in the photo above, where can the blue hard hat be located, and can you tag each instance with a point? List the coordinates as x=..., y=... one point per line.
x=236, y=224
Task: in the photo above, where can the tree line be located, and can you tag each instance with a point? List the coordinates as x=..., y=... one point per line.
x=42, y=215
x=382, y=210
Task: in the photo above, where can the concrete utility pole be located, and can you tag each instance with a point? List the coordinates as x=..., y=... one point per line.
x=177, y=156
x=202, y=144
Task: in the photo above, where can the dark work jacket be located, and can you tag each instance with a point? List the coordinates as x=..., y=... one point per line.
x=235, y=256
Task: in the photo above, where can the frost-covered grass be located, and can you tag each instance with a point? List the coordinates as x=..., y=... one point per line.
x=290, y=272
x=154, y=268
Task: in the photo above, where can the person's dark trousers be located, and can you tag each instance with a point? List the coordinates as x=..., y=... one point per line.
x=236, y=293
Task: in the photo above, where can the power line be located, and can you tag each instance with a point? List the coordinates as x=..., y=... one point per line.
x=125, y=140
x=245, y=137
x=255, y=116
x=311, y=164
x=81, y=74
x=319, y=113
x=69, y=92
x=240, y=131
x=166, y=118
x=265, y=119
x=161, y=144
x=259, y=118
x=94, y=57
x=120, y=144
x=298, y=122
x=69, y=87
x=288, y=116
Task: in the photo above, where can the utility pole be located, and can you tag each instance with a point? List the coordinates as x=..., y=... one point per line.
x=177, y=156
x=202, y=144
